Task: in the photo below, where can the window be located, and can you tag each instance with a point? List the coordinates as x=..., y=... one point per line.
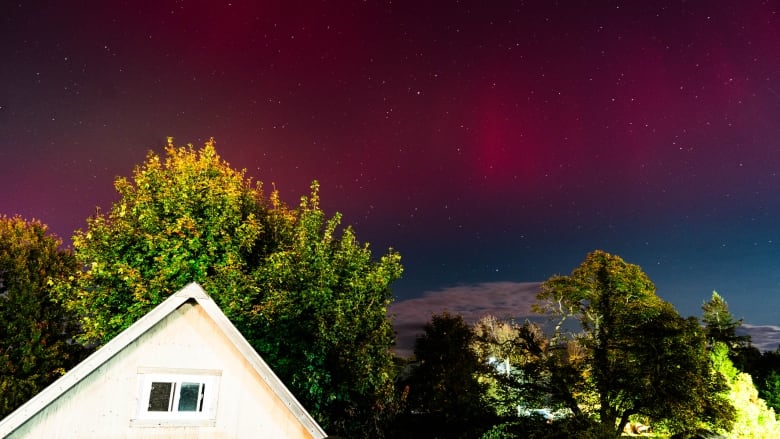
x=177, y=396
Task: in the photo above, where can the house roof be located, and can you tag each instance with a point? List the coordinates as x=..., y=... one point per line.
x=191, y=292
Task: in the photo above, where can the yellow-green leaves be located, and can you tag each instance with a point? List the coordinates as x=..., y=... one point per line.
x=638, y=356
x=299, y=286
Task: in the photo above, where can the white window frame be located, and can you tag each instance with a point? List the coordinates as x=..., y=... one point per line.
x=205, y=417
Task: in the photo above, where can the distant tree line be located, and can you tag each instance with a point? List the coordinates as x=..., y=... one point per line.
x=617, y=360
x=312, y=300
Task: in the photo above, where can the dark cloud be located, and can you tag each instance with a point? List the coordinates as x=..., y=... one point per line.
x=506, y=300
x=764, y=337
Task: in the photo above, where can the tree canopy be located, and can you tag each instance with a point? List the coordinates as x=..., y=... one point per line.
x=640, y=356
x=322, y=318
x=720, y=325
x=753, y=418
x=189, y=218
x=312, y=300
x=445, y=395
x=306, y=294
x=35, y=332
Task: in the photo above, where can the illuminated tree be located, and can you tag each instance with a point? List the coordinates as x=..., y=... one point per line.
x=753, y=420
x=188, y=218
x=305, y=293
x=35, y=332
x=495, y=344
x=720, y=325
x=640, y=356
x=324, y=302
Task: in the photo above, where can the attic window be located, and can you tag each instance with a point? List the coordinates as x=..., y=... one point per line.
x=177, y=396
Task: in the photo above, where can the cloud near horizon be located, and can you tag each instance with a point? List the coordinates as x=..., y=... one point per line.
x=506, y=300
x=764, y=337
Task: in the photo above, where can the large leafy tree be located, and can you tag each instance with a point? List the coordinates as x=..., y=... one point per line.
x=188, y=218
x=325, y=292
x=638, y=356
x=305, y=293
x=445, y=396
x=35, y=332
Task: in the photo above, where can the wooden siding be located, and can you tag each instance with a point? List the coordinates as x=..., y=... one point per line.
x=103, y=404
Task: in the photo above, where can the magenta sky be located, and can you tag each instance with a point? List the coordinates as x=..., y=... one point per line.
x=486, y=143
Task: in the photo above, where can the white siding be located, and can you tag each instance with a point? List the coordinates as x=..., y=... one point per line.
x=103, y=403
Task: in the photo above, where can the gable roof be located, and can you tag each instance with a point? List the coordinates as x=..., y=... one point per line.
x=191, y=292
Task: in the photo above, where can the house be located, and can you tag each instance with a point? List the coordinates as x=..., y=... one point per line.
x=183, y=370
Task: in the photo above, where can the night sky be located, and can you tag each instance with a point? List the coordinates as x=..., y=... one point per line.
x=492, y=144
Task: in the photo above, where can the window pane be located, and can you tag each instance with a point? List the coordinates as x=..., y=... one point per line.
x=160, y=397
x=189, y=397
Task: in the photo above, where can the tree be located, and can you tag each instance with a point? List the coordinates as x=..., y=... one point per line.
x=763, y=368
x=720, y=326
x=326, y=294
x=753, y=418
x=494, y=343
x=529, y=372
x=639, y=357
x=188, y=218
x=770, y=391
x=306, y=294
x=35, y=332
x=444, y=391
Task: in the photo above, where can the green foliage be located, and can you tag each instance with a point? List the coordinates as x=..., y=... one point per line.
x=325, y=291
x=445, y=395
x=495, y=343
x=720, y=325
x=305, y=293
x=764, y=368
x=533, y=372
x=636, y=355
x=574, y=427
x=188, y=218
x=35, y=332
x=753, y=418
x=502, y=431
x=770, y=391
x=688, y=395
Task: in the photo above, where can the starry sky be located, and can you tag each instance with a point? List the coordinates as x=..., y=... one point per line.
x=493, y=144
